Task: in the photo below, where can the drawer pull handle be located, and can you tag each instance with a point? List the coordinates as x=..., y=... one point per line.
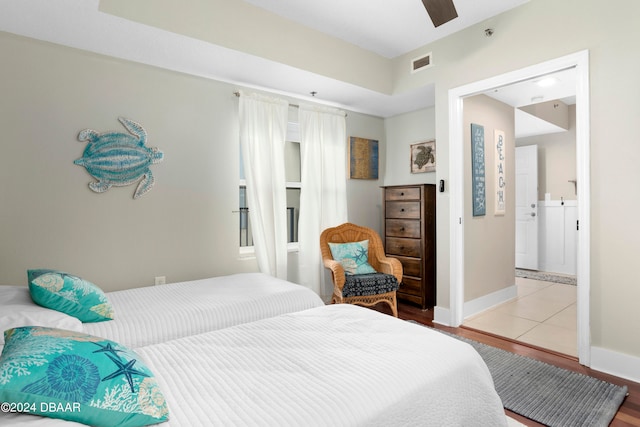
x=402, y=229
x=402, y=210
x=402, y=194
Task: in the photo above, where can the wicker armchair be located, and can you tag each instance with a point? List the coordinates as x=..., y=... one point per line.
x=346, y=287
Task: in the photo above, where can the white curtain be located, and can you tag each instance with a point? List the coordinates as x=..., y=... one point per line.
x=263, y=129
x=323, y=200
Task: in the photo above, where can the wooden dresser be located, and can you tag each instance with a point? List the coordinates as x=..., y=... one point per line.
x=410, y=236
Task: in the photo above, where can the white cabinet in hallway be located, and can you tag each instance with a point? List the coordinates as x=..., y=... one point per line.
x=558, y=236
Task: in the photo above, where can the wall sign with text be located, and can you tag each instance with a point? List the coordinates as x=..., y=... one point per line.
x=478, y=184
x=500, y=173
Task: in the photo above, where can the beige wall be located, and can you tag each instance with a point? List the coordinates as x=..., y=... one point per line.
x=402, y=131
x=556, y=160
x=489, y=239
x=241, y=26
x=184, y=228
x=538, y=31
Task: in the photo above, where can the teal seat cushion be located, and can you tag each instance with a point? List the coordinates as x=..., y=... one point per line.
x=352, y=256
x=369, y=284
x=69, y=294
x=78, y=377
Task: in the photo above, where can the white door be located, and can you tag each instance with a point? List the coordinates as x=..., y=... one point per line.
x=527, y=207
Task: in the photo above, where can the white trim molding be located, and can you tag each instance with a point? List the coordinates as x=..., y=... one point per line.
x=488, y=301
x=442, y=316
x=618, y=364
x=579, y=61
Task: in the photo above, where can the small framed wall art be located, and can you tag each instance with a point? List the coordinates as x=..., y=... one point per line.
x=423, y=157
x=363, y=158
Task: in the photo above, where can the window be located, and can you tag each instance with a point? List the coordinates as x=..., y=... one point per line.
x=292, y=175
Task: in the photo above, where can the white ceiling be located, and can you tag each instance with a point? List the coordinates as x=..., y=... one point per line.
x=529, y=92
x=370, y=24
x=388, y=27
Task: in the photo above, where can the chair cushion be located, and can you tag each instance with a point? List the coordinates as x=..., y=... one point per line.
x=369, y=284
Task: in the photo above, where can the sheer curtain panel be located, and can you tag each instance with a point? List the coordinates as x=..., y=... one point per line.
x=263, y=128
x=323, y=201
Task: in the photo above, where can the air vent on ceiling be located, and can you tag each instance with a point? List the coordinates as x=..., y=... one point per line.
x=421, y=63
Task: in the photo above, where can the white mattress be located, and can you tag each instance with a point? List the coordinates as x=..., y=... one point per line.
x=338, y=365
x=151, y=315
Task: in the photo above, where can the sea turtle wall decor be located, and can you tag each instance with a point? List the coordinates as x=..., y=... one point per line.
x=117, y=158
x=423, y=157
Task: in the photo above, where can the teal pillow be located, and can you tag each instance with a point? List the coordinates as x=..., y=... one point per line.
x=69, y=294
x=353, y=256
x=78, y=377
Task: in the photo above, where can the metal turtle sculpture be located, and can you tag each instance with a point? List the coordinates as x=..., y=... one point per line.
x=116, y=158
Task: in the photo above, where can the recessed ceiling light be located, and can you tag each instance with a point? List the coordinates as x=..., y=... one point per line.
x=546, y=82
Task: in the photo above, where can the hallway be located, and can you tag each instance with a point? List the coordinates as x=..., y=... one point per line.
x=543, y=314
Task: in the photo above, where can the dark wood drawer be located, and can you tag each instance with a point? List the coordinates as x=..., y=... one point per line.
x=410, y=210
x=402, y=194
x=402, y=228
x=404, y=247
x=411, y=286
x=410, y=266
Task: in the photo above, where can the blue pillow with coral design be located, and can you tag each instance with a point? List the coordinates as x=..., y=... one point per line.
x=78, y=377
x=353, y=256
x=69, y=294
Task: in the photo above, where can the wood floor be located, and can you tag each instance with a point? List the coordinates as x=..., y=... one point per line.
x=629, y=413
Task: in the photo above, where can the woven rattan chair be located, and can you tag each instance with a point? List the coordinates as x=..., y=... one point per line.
x=346, y=287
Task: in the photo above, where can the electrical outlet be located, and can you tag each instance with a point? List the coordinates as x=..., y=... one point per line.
x=161, y=280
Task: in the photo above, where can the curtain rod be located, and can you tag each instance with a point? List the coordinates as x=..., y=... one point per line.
x=236, y=93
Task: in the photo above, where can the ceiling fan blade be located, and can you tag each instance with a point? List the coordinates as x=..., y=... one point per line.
x=440, y=11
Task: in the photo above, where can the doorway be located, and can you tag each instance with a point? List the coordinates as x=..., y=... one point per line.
x=579, y=61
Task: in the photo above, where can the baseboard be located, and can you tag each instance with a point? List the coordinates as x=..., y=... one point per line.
x=442, y=315
x=485, y=302
x=614, y=363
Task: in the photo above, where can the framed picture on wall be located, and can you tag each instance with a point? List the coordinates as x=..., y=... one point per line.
x=363, y=158
x=423, y=157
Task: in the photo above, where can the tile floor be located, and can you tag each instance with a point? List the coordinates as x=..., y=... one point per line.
x=543, y=314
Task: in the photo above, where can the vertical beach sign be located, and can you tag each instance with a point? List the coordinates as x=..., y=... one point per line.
x=478, y=182
x=500, y=173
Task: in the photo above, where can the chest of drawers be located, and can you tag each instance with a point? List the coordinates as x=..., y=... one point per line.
x=409, y=236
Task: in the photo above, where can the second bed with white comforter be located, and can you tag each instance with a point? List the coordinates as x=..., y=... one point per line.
x=339, y=365
x=151, y=315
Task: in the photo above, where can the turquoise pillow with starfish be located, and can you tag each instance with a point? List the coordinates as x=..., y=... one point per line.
x=78, y=377
x=69, y=294
x=353, y=256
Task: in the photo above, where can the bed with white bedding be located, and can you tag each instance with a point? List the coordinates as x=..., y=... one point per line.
x=151, y=315
x=337, y=365
x=155, y=314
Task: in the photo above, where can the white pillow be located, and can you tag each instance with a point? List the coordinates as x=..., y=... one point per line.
x=18, y=309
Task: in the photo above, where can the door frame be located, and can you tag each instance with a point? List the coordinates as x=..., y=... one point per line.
x=579, y=61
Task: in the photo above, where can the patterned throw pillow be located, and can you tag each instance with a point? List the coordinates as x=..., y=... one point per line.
x=69, y=294
x=353, y=256
x=78, y=377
